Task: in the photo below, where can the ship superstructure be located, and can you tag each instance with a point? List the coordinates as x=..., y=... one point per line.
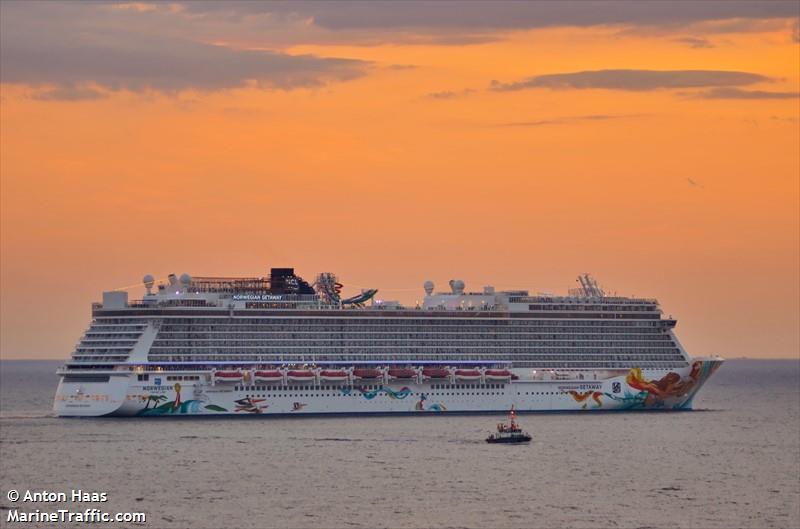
x=279, y=344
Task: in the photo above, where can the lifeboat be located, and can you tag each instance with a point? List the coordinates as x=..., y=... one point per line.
x=435, y=372
x=300, y=375
x=498, y=374
x=468, y=374
x=267, y=376
x=397, y=372
x=228, y=376
x=333, y=375
x=366, y=373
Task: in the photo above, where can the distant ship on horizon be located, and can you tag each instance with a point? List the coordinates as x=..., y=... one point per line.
x=279, y=345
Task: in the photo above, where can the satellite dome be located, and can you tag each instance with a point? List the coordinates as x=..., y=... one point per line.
x=428, y=286
x=149, y=281
x=185, y=279
x=458, y=286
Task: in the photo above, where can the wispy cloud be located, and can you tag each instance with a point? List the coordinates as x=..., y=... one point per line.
x=737, y=93
x=451, y=94
x=563, y=120
x=695, y=42
x=67, y=92
x=633, y=80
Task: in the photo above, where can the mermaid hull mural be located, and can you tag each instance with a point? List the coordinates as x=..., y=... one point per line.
x=611, y=390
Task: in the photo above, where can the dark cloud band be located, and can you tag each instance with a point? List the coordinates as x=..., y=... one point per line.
x=633, y=80
x=501, y=14
x=72, y=48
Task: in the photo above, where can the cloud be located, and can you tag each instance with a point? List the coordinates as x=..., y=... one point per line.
x=171, y=47
x=472, y=22
x=169, y=66
x=451, y=94
x=633, y=80
x=695, y=42
x=69, y=93
x=568, y=119
x=489, y=15
x=54, y=48
x=737, y=93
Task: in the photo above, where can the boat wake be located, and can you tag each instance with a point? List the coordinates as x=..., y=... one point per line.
x=31, y=415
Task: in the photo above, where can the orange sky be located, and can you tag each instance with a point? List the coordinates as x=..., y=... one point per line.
x=414, y=169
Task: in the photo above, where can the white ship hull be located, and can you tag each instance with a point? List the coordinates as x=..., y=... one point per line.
x=196, y=394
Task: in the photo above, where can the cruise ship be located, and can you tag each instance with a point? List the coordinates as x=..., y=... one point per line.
x=280, y=345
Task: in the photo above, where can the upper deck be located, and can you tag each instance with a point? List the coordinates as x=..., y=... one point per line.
x=268, y=321
x=285, y=293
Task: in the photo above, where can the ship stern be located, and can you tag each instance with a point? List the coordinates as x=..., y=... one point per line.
x=90, y=395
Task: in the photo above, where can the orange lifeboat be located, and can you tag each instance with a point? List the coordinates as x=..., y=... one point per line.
x=498, y=374
x=228, y=376
x=300, y=375
x=333, y=375
x=435, y=372
x=468, y=374
x=397, y=372
x=267, y=376
x=366, y=373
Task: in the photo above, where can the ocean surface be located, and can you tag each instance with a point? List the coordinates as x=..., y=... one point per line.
x=734, y=462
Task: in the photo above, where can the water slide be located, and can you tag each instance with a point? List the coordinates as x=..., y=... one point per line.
x=362, y=298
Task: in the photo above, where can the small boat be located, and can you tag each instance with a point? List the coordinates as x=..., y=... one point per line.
x=228, y=376
x=468, y=374
x=435, y=372
x=397, y=372
x=509, y=433
x=267, y=376
x=366, y=373
x=498, y=374
x=300, y=375
x=333, y=375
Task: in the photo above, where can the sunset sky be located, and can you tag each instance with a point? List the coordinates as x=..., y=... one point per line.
x=654, y=145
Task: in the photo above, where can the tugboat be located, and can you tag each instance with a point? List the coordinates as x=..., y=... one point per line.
x=509, y=433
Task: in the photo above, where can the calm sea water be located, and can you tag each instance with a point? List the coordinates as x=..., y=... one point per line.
x=734, y=462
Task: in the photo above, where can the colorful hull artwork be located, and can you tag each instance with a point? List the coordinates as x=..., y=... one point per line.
x=671, y=391
x=422, y=405
x=175, y=406
x=371, y=394
x=633, y=389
